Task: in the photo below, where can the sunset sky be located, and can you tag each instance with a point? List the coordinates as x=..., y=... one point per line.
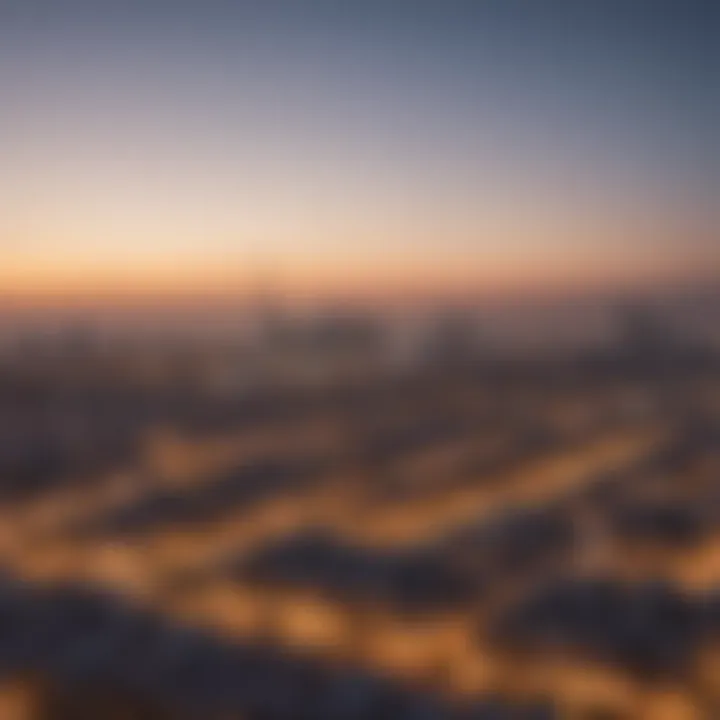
x=170, y=147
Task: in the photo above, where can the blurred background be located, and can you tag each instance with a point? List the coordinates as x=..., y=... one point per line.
x=359, y=359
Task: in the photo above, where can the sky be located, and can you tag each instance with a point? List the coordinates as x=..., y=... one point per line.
x=168, y=147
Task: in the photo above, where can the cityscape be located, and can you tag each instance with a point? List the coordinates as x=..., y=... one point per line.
x=359, y=360
x=463, y=532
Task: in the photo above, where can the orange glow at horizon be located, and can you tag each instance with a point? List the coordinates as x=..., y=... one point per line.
x=89, y=283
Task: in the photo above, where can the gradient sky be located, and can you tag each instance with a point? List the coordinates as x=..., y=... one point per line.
x=158, y=145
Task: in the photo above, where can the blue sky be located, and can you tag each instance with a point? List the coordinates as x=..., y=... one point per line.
x=502, y=140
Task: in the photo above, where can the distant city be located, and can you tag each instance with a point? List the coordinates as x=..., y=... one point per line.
x=318, y=518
